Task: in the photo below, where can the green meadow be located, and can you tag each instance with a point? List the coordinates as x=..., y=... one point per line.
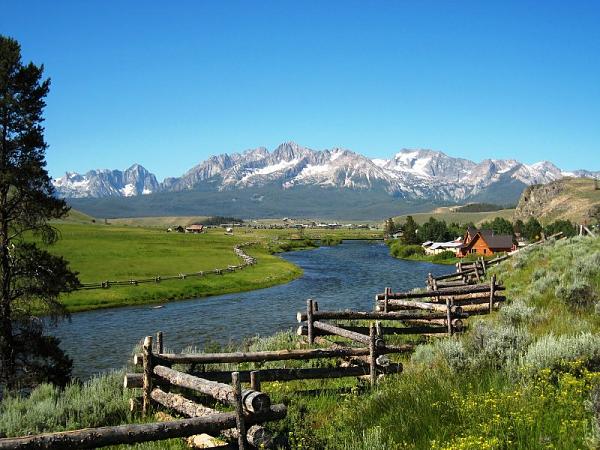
x=107, y=252
x=142, y=248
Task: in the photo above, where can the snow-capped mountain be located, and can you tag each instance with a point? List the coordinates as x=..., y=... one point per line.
x=105, y=183
x=410, y=174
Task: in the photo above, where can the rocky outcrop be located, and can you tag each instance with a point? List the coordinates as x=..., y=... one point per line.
x=573, y=199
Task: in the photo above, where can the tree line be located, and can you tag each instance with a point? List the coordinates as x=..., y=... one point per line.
x=440, y=231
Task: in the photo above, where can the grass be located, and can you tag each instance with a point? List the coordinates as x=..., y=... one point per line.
x=526, y=377
x=106, y=252
x=449, y=215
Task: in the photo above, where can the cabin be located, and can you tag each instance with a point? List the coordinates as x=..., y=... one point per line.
x=194, y=228
x=485, y=242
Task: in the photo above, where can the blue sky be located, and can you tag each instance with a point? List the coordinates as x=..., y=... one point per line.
x=167, y=84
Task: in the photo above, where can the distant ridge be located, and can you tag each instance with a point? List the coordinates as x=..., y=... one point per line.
x=256, y=175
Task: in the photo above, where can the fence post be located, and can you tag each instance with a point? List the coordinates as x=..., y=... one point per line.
x=449, y=316
x=159, y=342
x=309, y=321
x=483, y=265
x=477, y=271
x=239, y=411
x=385, y=299
x=147, y=379
x=255, y=380
x=492, y=292
x=379, y=329
x=372, y=354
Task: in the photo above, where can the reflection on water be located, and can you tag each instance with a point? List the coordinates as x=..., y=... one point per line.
x=346, y=276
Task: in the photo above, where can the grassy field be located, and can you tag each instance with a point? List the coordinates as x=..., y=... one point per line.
x=449, y=215
x=108, y=252
x=526, y=377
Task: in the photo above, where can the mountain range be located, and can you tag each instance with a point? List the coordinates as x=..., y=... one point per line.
x=415, y=177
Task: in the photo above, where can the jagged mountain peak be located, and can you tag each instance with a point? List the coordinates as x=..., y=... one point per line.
x=410, y=173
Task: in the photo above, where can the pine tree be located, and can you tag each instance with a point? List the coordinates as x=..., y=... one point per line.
x=389, y=228
x=31, y=279
x=409, y=231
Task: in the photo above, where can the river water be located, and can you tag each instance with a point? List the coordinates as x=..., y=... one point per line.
x=345, y=276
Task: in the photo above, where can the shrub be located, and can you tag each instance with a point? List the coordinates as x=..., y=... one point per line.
x=518, y=313
x=588, y=265
x=404, y=251
x=553, y=352
x=543, y=284
x=98, y=402
x=450, y=352
x=495, y=345
x=577, y=292
x=447, y=254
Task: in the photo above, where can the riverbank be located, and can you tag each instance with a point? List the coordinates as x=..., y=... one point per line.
x=106, y=252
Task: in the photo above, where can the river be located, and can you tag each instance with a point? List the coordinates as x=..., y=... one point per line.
x=345, y=276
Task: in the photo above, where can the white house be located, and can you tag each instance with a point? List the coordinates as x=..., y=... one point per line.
x=433, y=248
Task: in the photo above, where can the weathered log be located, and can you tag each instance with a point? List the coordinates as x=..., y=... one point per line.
x=492, y=291
x=159, y=342
x=457, y=324
x=352, y=335
x=411, y=304
x=148, y=365
x=470, y=289
x=255, y=380
x=253, y=401
x=484, y=307
x=306, y=373
x=374, y=315
x=310, y=320
x=449, y=284
x=459, y=274
x=278, y=355
x=476, y=300
x=302, y=331
x=458, y=302
x=135, y=433
x=256, y=435
x=372, y=354
x=133, y=380
x=239, y=411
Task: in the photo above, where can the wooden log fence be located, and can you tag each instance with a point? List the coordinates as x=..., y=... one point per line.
x=447, y=292
x=131, y=434
x=247, y=260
